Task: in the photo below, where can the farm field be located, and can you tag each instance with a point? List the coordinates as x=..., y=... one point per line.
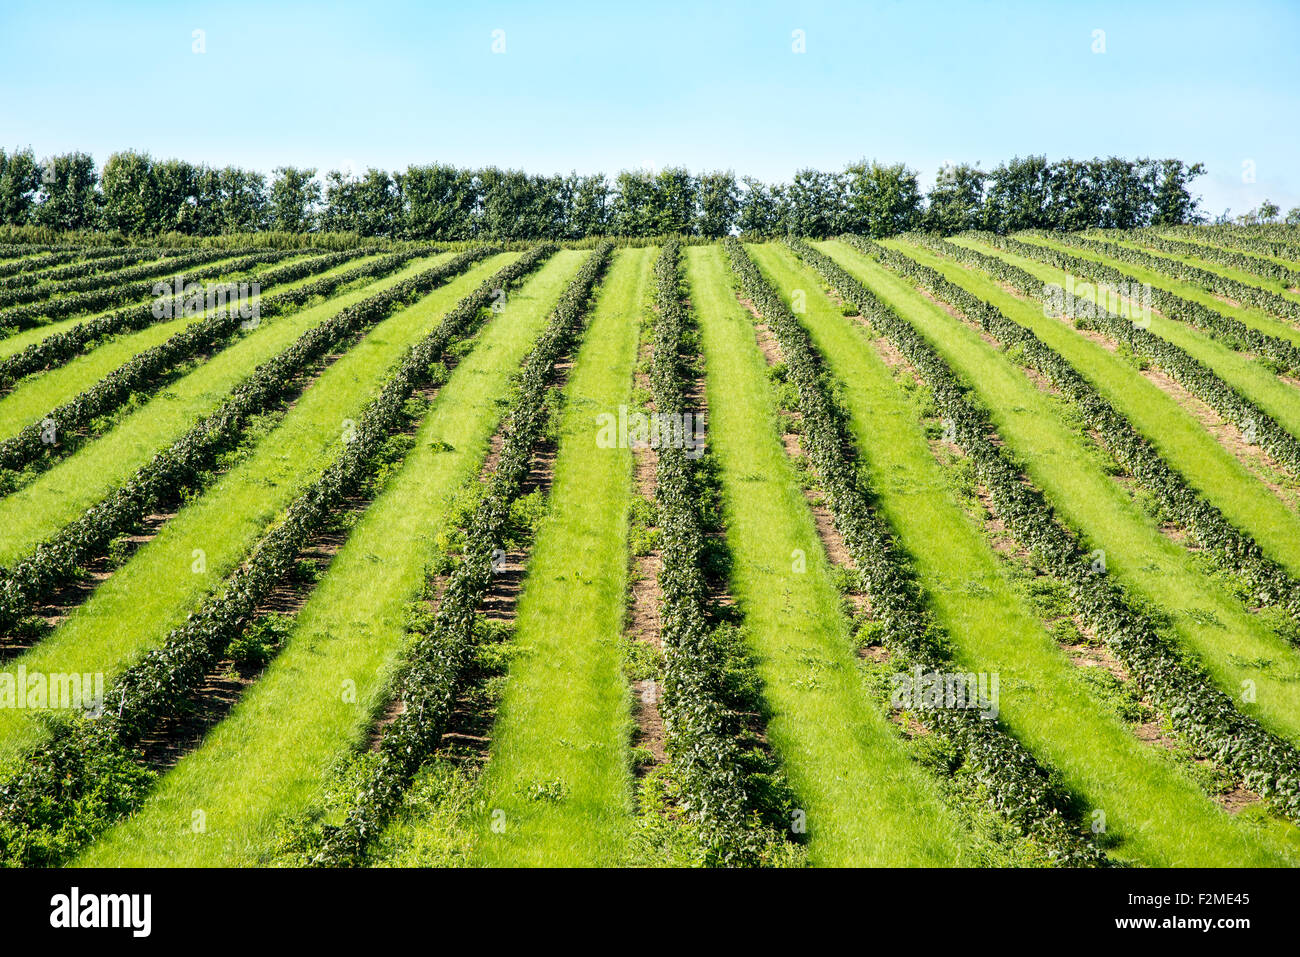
x=977, y=551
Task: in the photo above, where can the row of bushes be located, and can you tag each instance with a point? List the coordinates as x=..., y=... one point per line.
x=146, y=370
x=1232, y=258
x=60, y=347
x=1233, y=333
x=59, y=559
x=1178, y=501
x=158, y=684
x=1213, y=282
x=706, y=737
x=1204, y=715
x=1262, y=242
x=97, y=262
x=435, y=662
x=21, y=258
x=25, y=315
x=1018, y=787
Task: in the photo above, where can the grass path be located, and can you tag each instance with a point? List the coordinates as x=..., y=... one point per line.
x=151, y=594
x=1252, y=378
x=70, y=486
x=37, y=394
x=565, y=715
x=866, y=802
x=1252, y=316
x=1175, y=432
x=9, y=345
x=1156, y=815
x=1234, y=645
x=1202, y=240
x=1210, y=265
x=267, y=760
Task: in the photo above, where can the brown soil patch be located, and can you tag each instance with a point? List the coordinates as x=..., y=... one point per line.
x=1151, y=733
x=1237, y=799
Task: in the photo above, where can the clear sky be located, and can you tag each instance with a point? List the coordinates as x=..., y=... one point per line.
x=605, y=86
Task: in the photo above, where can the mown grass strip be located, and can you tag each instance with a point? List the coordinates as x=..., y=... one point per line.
x=1237, y=266
x=1246, y=328
x=865, y=802
x=438, y=661
x=1154, y=815
x=1203, y=462
x=1244, y=390
x=565, y=715
x=69, y=488
x=1233, y=645
x=209, y=537
x=314, y=703
x=43, y=393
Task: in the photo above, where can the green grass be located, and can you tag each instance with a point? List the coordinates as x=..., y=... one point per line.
x=1252, y=316
x=1175, y=432
x=19, y=341
x=1234, y=645
x=1155, y=815
x=1251, y=377
x=1208, y=241
x=565, y=715
x=38, y=394
x=1209, y=265
x=72, y=485
x=268, y=759
x=866, y=803
x=151, y=594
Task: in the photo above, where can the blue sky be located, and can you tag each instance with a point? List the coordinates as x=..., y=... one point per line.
x=605, y=86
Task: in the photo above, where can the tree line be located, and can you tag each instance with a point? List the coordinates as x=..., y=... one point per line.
x=138, y=195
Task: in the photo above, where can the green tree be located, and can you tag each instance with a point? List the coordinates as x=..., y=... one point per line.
x=815, y=203
x=719, y=204
x=635, y=207
x=878, y=200
x=69, y=198
x=439, y=202
x=762, y=209
x=955, y=203
x=1174, y=202
x=20, y=179
x=129, y=201
x=294, y=200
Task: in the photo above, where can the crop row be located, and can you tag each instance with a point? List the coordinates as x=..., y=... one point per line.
x=142, y=370
x=159, y=683
x=184, y=463
x=704, y=734
x=1221, y=285
x=1019, y=788
x=1232, y=332
x=1191, y=373
x=1232, y=258
x=77, y=270
x=60, y=347
x=1247, y=241
x=37, y=257
x=90, y=283
x=27, y=315
x=1179, y=502
x=432, y=673
x=1206, y=716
